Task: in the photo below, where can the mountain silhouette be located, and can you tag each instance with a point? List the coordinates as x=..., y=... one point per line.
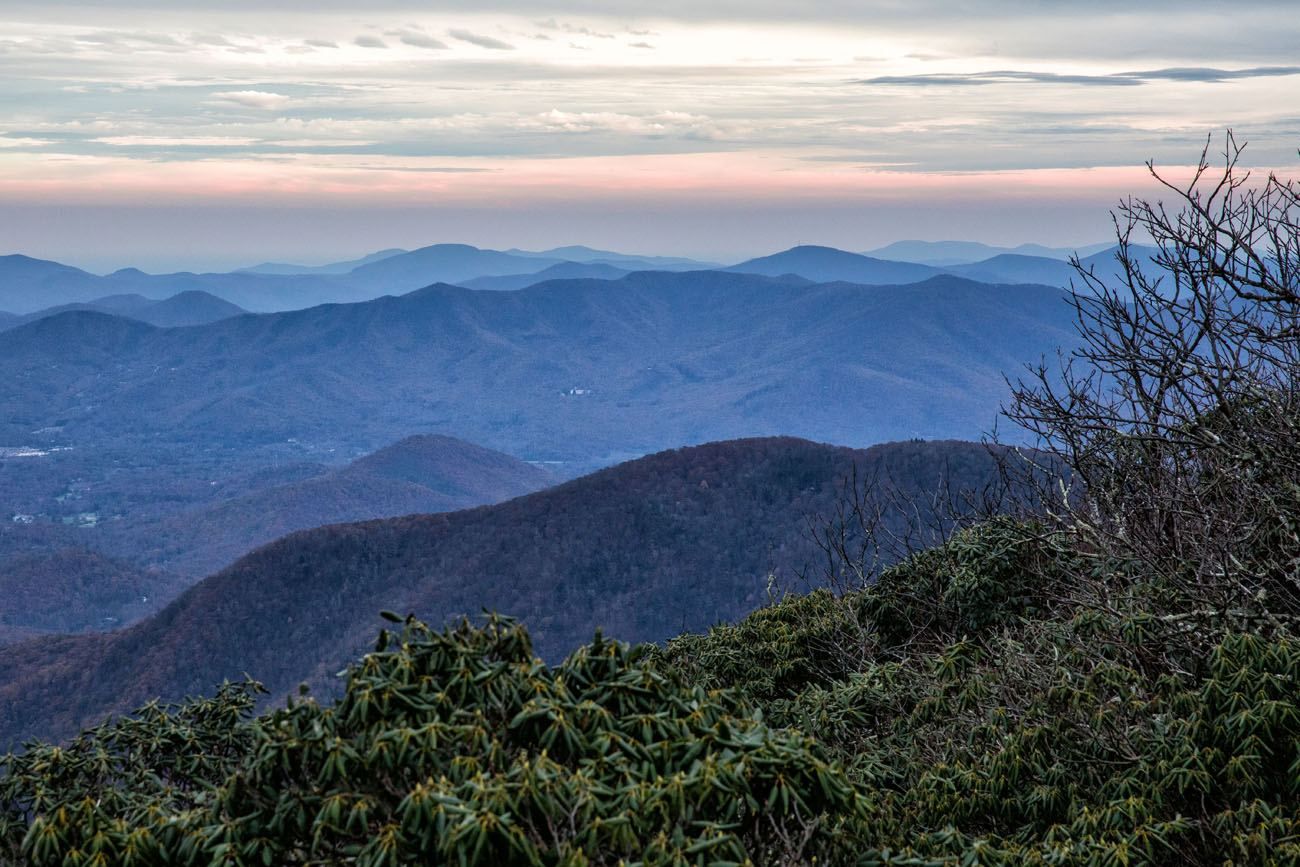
x=827, y=264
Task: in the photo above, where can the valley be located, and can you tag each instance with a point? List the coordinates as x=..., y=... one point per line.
x=161, y=525
x=32, y=288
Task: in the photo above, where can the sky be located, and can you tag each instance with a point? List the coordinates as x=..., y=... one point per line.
x=202, y=134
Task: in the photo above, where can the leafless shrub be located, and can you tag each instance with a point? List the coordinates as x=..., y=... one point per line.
x=1177, y=416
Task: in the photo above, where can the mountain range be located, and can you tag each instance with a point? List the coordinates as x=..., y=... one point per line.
x=285, y=268
x=824, y=264
x=146, y=442
x=587, y=372
x=562, y=271
x=193, y=307
x=29, y=285
x=671, y=542
x=587, y=255
x=945, y=253
x=172, y=451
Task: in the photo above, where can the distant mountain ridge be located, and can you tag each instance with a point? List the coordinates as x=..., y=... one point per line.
x=584, y=371
x=1014, y=268
x=283, y=268
x=1009, y=268
x=824, y=264
x=631, y=262
x=193, y=307
x=947, y=253
x=562, y=271
x=28, y=285
x=671, y=542
x=827, y=265
x=442, y=263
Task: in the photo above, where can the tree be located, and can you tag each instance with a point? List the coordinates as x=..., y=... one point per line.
x=1177, y=418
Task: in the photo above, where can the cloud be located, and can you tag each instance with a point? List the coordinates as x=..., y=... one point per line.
x=1118, y=79
x=137, y=38
x=174, y=141
x=319, y=143
x=259, y=99
x=370, y=42
x=1001, y=76
x=761, y=9
x=1208, y=74
x=9, y=142
x=419, y=40
x=437, y=170
x=580, y=30
x=99, y=38
x=211, y=39
x=657, y=124
x=481, y=41
x=490, y=102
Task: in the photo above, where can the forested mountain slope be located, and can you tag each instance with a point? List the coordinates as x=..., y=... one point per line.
x=675, y=541
x=418, y=474
x=99, y=570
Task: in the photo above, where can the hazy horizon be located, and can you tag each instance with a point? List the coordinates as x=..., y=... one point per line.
x=163, y=264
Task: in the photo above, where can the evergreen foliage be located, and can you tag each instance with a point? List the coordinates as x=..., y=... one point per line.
x=124, y=792
x=457, y=746
x=1130, y=735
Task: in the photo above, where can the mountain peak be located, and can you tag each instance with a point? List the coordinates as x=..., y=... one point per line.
x=829, y=264
x=447, y=465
